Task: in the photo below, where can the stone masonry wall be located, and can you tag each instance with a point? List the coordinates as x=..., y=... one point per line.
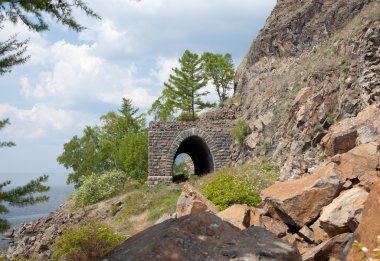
x=166, y=137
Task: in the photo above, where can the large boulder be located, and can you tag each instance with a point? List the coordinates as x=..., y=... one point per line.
x=191, y=201
x=350, y=132
x=347, y=208
x=299, y=202
x=203, y=236
x=369, y=229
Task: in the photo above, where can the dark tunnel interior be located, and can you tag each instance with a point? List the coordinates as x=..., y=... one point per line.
x=200, y=154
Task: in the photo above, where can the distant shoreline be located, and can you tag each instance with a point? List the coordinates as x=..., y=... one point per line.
x=18, y=216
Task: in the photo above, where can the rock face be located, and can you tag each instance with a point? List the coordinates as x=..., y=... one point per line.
x=298, y=202
x=309, y=87
x=347, y=208
x=369, y=229
x=191, y=201
x=203, y=236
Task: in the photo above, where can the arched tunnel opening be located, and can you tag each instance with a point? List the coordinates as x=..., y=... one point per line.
x=199, y=153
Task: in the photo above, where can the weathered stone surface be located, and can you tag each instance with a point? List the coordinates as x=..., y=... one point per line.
x=351, y=132
x=298, y=202
x=203, y=236
x=275, y=226
x=306, y=234
x=348, y=206
x=192, y=201
x=331, y=249
x=319, y=234
x=369, y=229
x=238, y=215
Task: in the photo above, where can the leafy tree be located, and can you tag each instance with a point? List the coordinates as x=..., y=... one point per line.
x=83, y=156
x=182, y=90
x=119, y=143
x=19, y=196
x=220, y=69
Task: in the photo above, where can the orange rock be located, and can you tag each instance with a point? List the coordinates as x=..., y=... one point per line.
x=360, y=163
x=369, y=229
x=241, y=216
x=298, y=202
x=192, y=201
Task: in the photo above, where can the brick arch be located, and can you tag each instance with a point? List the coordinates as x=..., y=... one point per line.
x=185, y=135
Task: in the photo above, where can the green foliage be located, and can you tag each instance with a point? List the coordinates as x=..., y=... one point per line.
x=182, y=90
x=33, y=13
x=96, y=187
x=320, y=156
x=86, y=242
x=12, y=52
x=180, y=171
x=19, y=196
x=120, y=143
x=144, y=199
x=239, y=133
x=240, y=185
x=220, y=69
x=330, y=118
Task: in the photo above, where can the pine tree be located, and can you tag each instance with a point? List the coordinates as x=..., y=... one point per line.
x=32, y=13
x=183, y=87
x=19, y=196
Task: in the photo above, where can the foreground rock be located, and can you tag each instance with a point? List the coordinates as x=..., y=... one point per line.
x=191, y=201
x=344, y=212
x=241, y=216
x=332, y=249
x=369, y=229
x=203, y=236
x=298, y=202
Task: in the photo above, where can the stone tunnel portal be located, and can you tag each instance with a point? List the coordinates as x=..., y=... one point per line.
x=199, y=153
x=206, y=142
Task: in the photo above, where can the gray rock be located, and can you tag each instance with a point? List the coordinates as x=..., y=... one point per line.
x=203, y=236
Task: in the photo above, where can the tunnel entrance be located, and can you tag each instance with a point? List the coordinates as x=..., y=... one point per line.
x=196, y=148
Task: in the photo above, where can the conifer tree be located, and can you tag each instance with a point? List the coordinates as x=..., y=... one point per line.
x=183, y=89
x=19, y=196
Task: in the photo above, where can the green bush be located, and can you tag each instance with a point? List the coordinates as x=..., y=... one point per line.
x=89, y=242
x=240, y=185
x=240, y=132
x=96, y=188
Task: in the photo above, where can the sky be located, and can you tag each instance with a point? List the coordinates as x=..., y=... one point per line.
x=73, y=78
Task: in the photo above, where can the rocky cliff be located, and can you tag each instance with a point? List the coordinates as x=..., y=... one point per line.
x=314, y=64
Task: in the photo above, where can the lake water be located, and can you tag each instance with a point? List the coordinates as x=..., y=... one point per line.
x=16, y=216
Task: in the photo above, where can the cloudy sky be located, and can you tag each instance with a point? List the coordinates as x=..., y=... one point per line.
x=74, y=78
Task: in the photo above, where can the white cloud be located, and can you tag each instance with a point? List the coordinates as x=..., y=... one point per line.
x=164, y=68
x=37, y=121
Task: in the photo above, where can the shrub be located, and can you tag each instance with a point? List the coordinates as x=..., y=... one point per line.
x=240, y=132
x=240, y=185
x=87, y=242
x=99, y=187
